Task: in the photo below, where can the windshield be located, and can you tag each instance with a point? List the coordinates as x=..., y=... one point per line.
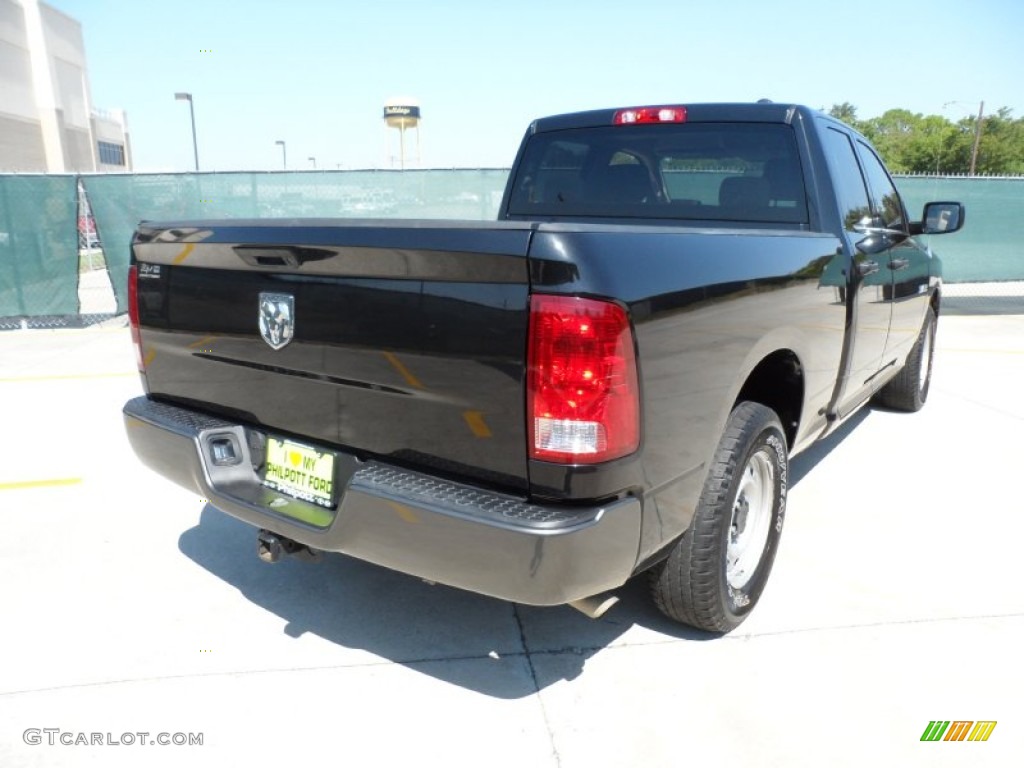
x=747, y=172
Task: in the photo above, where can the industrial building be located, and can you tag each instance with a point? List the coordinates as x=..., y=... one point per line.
x=47, y=120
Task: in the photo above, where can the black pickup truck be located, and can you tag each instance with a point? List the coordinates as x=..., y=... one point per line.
x=608, y=380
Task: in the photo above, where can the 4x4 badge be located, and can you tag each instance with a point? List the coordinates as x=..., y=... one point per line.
x=277, y=318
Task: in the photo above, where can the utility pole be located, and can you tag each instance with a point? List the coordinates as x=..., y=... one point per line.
x=977, y=138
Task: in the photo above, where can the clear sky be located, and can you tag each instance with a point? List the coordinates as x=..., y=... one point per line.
x=316, y=73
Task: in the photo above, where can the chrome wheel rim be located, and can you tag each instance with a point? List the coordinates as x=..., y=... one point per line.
x=751, y=519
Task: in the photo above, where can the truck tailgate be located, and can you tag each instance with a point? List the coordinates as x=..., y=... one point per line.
x=408, y=338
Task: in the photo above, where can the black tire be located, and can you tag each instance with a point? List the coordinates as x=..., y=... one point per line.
x=695, y=584
x=908, y=390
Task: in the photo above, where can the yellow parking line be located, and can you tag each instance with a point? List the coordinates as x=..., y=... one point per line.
x=404, y=512
x=411, y=380
x=67, y=376
x=184, y=253
x=202, y=342
x=40, y=483
x=477, y=425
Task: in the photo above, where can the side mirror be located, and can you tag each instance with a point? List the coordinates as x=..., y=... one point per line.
x=940, y=219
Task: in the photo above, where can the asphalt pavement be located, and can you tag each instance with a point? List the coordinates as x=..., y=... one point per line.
x=134, y=613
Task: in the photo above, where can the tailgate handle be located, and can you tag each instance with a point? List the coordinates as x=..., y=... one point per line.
x=280, y=255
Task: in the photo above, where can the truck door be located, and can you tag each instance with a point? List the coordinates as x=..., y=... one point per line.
x=907, y=263
x=867, y=290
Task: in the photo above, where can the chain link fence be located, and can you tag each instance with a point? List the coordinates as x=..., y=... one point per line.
x=65, y=240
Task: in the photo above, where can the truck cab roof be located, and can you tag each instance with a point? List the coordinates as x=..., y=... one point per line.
x=760, y=112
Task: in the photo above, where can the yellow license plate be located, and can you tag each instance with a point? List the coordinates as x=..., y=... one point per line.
x=300, y=471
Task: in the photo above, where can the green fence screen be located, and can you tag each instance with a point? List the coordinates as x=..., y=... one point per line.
x=120, y=202
x=989, y=246
x=39, y=238
x=38, y=246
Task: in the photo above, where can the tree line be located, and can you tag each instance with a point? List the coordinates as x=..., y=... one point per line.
x=916, y=143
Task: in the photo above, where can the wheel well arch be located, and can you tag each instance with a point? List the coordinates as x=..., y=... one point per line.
x=778, y=383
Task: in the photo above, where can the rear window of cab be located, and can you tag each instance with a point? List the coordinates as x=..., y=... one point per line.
x=733, y=172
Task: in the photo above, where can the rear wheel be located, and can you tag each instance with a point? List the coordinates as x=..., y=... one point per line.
x=716, y=572
x=908, y=390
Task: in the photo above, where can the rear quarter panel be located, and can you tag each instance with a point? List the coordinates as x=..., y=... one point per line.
x=707, y=307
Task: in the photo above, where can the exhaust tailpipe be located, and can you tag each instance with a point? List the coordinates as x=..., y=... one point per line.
x=594, y=606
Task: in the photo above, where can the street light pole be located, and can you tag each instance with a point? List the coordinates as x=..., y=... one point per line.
x=284, y=154
x=192, y=110
x=313, y=161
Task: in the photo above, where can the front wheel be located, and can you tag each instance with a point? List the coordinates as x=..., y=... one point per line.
x=716, y=572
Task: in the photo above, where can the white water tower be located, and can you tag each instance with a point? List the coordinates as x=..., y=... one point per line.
x=403, y=113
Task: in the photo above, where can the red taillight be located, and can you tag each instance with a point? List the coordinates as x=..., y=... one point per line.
x=650, y=115
x=582, y=396
x=133, y=315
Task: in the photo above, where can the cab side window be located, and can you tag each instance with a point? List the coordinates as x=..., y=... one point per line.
x=884, y=197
